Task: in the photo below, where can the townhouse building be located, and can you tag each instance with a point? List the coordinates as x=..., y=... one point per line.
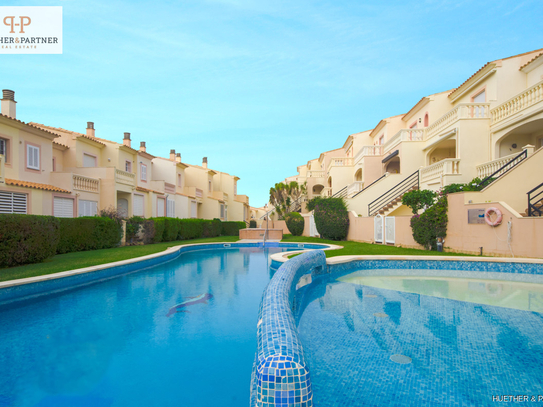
x=54, y=171
x=484, y=127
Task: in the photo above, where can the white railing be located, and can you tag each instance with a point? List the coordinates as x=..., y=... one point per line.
x=368, y=151
x=123, y=177
x=448, y=166
x=82, y=183
x=316, y=174
x=340, y=162
x=327, y=191
x=490, y=167
x=403, y=135
x=2, y=162
x=523, y=100
x=355, y=187
x=461, y=111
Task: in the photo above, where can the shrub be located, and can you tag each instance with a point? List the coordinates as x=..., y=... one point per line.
x=133, y=227
x=212, y=228
x=473, y=185
x=310, y=205
x=252, y=224
x=295, y=223
x=331, y=218
x=27, y=238
x=113, y=213
x=87, y=233
x=191, y=229
x=431, y=224
x=418, y=199
x=171, y=229
x=159, y=226
x=232, y=228
x=148, y=231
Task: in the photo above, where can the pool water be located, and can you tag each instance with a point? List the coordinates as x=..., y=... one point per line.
x=422, y=341
x=111, y=343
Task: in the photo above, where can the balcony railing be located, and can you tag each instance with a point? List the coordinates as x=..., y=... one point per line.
x=87, y=184
x=354, y=188
x=484, y=170
x=2, y=162
x=461, y=111
x=242, y=198
x=368, y=151
x=316, y=174
x=340, y=162
x=126, y=178
x=403, y=135
x=448, y=166
x=327, y=191
x=522, y=101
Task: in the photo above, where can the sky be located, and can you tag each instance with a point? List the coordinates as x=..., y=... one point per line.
x=259, y=87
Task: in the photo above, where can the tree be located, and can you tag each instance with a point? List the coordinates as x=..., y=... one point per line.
x=285, y=197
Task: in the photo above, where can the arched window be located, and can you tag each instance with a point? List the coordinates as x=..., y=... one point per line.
x=426, y=120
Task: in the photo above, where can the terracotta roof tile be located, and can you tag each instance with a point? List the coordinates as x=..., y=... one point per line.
x=35, y=185
x=141, y=189
x=60, y=144
x=483, y=67
x=530, y=61
x=30, y=124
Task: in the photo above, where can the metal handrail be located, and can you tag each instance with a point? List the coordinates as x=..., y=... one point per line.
x=377, y=180
x=488, y=180
x=532, y=201
x=393, y=193
x=339, y=193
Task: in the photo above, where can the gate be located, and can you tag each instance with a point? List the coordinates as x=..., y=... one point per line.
x=390, y=229
x=378, y=229
x=312, y=227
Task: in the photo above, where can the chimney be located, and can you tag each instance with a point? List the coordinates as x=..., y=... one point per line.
x=90, y=129
x=172, y=154
x=143, y=149
x=178, y=157
x=126, y=140
x=204, y=162
x=8, y=103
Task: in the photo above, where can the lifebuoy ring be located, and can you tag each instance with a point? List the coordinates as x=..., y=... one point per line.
x=496, y=221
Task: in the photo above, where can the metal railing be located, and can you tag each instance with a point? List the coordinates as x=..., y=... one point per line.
x=342, y=193
x=374, y=182
x=504, y=169
x=393, y=193
x=535, y=201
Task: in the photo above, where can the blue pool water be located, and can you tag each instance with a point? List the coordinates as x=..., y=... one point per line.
x=111, y=344
x=423, y=341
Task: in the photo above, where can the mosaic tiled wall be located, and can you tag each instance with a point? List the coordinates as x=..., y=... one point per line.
x=280, y=374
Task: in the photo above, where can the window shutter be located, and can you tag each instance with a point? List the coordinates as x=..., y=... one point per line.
x=138, y=205
x=143, y=172
x=193, y=209
x=170, y=208
x=63, y=207
x=12, y=202
x=88, y=208
x=89, y=161
x=160, y=207
x=33, y=157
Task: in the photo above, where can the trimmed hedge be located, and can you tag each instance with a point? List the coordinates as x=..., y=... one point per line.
x=87, y=233
x=27, y=238
x=252, y=224
x=232, y=228
x=295, y=223
x=331, y=218
x=431, y=224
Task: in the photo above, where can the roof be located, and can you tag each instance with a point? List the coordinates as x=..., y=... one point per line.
x=141, y=189
x=35, y=185
x=30, y=124
x=530, y=61
x=60, y=144
x=467, y=80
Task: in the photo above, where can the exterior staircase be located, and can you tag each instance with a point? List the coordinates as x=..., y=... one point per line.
x=535, y=202
x=396, y=203
x=392, y=199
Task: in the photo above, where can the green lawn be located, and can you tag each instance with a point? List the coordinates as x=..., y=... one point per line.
x=357, y=249
x=71, y=261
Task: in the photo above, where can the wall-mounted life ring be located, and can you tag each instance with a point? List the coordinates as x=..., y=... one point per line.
x=495, y=211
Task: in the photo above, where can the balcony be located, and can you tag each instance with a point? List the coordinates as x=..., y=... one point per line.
x=368, y=151
x=402, y=136
x=340, y=162
x=316, y=174
x=490, y=167
x=244, y=199
x=434, y=173
x=194, y=192
x=327, y=191
x=354, y=188
x=518, y=104
x=472, y=111
x=221, y=196
x=2, y=173
x=86, y=184
x=125, y=178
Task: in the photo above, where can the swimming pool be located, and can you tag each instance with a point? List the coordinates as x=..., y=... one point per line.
x=422, y=334
x=111, y=343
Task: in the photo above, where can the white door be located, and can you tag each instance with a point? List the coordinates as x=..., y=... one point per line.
x=193, y=209
x=390, y=229
x=378, y=229
x=122, y=207
x=138, y=205
x=160, y=207
x=63, y=207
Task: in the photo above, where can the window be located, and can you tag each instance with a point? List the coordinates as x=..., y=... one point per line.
x=32, y=157
x=161, y=202
x=179, y=180
x=381, y=140
x=138, y=205
x=54, y=164
x=235, y=187
x=480, y=97
x=426, y=120
x=143, y=172
x=193, y=209
x=128, y=166
x=63, y=207
x=12, y=202
x=209, y=185
x=3, y=146
x=88, y=208
x=222, y=211
x=170, y=208
x=89, y=160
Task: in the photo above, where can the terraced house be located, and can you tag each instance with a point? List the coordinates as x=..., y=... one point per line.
x=48, y=170
x=489, y=126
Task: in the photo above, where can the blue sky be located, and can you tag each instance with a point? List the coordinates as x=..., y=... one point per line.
x=259, y=87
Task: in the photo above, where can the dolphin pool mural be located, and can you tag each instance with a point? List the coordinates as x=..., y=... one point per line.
x=201, y=299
